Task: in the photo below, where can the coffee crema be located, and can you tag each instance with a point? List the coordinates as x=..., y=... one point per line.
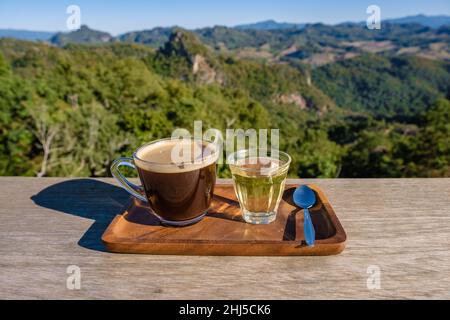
x=189, y=155
x=178, y=190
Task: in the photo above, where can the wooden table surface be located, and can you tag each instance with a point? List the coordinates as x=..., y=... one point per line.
x=399, y=227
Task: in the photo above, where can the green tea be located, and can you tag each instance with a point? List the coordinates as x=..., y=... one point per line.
x=259, y=184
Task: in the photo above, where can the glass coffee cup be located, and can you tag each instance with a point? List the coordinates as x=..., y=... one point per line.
x=177, y=177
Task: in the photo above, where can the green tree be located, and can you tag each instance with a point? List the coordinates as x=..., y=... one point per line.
x=433, y=143
x=368, y=157
x=46, y=124
x=89, y=142
x=315, y=156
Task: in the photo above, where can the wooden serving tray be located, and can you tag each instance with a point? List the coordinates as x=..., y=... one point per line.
x=223, y=232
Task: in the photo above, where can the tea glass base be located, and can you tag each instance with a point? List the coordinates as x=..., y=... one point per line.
x=183, y=223
x=259, y=217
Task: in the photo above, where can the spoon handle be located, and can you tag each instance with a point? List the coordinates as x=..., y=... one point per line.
x=308, y=229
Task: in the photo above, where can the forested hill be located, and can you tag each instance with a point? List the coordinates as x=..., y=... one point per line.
x=385, y=86
x=70, y=110
x=312, y=44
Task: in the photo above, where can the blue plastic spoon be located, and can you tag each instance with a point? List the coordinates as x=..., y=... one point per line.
x=305, y=198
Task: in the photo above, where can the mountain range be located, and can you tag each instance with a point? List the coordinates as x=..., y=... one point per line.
x=349, y=102
x=312, y=45
x=270, y=25
x=428, y=21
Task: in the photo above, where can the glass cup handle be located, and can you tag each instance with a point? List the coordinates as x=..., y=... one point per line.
x=130, y=187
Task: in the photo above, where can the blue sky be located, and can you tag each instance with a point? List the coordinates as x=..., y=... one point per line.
x=118, y=16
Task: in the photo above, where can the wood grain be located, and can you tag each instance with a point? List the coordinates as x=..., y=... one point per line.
x=223, y=232
x=401, y=226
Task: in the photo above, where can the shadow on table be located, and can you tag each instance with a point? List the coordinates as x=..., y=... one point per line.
x=323, y=226
x=86, y=198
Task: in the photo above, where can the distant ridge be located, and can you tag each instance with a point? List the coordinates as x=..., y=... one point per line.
x=428, y=21
x=83, y=35
x=270, y=25
x=156, y=37
x=26, y=34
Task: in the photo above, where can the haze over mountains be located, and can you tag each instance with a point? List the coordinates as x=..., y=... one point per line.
x=428, y=21
x=26, y=34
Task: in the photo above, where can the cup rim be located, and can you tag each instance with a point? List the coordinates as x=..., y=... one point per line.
x=203, y=160
x=231, y=161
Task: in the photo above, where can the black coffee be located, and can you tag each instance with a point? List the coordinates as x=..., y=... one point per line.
x=177, y=191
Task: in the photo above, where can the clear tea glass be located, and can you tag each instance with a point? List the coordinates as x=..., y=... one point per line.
x=259, y=178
